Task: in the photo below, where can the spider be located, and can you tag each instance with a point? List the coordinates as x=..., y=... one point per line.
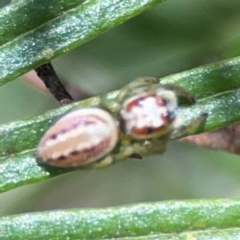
x=145, y=117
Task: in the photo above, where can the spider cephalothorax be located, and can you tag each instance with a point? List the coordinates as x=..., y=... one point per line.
x=150, y=109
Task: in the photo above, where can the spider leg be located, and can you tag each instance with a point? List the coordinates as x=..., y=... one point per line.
x=183, y=130
x=180, y=93
x=143, y=80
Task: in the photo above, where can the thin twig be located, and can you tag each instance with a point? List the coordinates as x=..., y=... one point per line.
x=48, y=75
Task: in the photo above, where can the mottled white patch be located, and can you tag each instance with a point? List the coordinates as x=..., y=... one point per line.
x=147, y=114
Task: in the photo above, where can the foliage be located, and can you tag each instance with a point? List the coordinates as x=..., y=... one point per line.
x=34, y=35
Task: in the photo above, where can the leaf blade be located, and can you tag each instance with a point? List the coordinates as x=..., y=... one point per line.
x=63, y=33
x=30, y=15
x=27, y=132
x=173, y=217
x=18, y=137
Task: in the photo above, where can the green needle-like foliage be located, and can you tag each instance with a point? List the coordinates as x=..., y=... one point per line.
x=34, y=32
x=32, y=35
x=168, y=220
x=18, y=140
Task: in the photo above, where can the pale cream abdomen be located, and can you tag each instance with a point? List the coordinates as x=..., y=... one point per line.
x=78, y=138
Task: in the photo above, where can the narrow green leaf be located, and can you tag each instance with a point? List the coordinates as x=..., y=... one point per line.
x=210, y=79
x=18, y=140
x=25, y=15
x=176, y=219
x=51, y=28
x=201, y=82
x=23, y=169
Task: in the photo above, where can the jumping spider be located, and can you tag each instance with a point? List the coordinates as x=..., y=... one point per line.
x=145, y=117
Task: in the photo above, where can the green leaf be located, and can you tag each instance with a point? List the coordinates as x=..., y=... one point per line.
x=34, y=32
x=215, y=86
x=18, y=140
x=166, y=220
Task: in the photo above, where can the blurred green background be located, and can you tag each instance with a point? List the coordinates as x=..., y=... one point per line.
x=174, y=36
